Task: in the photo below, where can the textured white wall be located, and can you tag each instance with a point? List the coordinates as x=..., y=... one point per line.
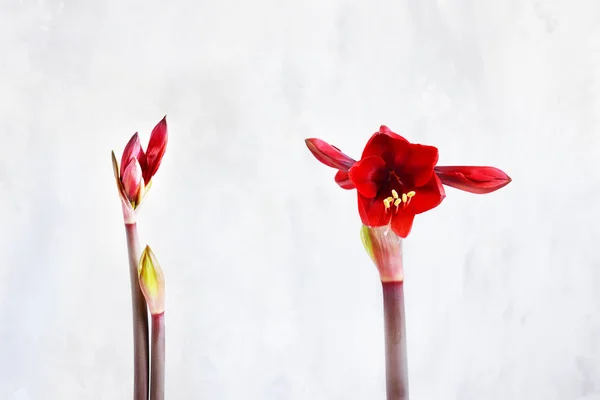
x=269, y=292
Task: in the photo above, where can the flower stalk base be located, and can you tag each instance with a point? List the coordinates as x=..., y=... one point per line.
x=157, y=376
x=396, y=365
x=141, y=359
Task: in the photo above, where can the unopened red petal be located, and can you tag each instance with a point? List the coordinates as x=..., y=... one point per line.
x=367, y=175
x=126, y=206
x=328, y=154
x=156, y=148
x=473, y=179
x=133, y=149
x=402, y=223
x=372, y=211
x=343, y=180
x=132, y=179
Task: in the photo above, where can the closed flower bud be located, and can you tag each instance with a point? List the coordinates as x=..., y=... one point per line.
x=152, y=282
x=478, y=180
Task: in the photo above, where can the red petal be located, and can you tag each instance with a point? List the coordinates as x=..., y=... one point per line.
x=479, y=180
x=367, y=174
x=387, y=145
x=132, y=179
x=402, y=223
x=133, y=149
x=328, y=154
x=372, y=211
x=427, y=196
x=126, y=206
x=418, y=164
x=385, y=129
x=343, y=180
x=156, y=148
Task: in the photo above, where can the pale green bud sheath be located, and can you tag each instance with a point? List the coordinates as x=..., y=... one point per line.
x=152, y=281
x=384, y=248
x=152, y=284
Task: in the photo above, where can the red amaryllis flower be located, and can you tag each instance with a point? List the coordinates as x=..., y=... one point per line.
x=396, y=179
x=134, y=177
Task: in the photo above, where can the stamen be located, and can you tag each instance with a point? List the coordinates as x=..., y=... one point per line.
x=386, y=203
x=409, y=197
x=396, y=200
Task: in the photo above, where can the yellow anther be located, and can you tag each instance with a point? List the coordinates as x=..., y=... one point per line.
x=396, y=200
x=386, y=203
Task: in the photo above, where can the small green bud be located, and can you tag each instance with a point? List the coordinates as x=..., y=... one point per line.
x=152, y=282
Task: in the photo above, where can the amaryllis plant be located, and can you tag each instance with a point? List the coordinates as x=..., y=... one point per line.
x=134, y=178
x=395, y=180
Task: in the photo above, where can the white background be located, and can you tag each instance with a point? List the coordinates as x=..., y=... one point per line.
x=270, y=294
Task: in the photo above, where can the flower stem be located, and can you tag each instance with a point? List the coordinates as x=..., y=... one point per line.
x=157, y=376
x=141, y=358
x=396, y=367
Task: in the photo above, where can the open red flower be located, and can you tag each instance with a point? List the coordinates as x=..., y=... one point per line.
x=396, y=179
x=134, y=176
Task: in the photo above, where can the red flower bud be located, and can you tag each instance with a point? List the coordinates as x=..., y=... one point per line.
x=132, y=180
x=479, y=180
x=156, y=148
x=133, y=149
x=138, y=167
x=329, y=155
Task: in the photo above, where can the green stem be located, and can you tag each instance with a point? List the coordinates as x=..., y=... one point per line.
x=396, y=367
x=140, y=318
x=157, y=375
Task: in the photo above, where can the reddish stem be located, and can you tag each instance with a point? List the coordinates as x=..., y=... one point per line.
x=396, y=366
x=141, y=358
x=157, y=376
